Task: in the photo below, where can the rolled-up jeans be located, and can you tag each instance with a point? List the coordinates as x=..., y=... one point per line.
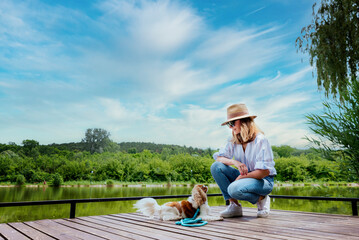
x=248, y=189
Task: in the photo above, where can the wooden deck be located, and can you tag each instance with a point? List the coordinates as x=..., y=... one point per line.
x=279, y=225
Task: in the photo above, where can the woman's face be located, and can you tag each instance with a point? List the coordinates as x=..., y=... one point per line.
x=237, y=127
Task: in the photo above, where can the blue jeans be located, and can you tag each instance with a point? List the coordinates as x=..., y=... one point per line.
x=248, y=189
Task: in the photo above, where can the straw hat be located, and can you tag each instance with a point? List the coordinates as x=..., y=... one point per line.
x=237, y=111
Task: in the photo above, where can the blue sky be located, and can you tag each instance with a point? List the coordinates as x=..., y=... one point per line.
x=153, y=71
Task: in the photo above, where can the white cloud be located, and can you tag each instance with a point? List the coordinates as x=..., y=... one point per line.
x=219, y=56
x=280, y=85
x=235, y=54
x=196, y=127
x=285, y=133
x=115, y=112
x=5, y=84
x=156, y=27
x=280, y=104
x=144, y=70
x=255, y=11
x=133, y=61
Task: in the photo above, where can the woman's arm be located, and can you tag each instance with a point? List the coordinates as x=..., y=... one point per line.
x=241, y=167
x=257, y=174
x=264, y=157
x=226, y=161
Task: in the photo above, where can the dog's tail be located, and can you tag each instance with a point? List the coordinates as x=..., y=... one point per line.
x=147, y=206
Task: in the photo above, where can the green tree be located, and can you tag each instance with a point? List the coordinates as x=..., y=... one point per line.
x=20, y=180
x=338, y=128
x=57, y=180
x=209, y=152
x=283, y=151
x=31, y=148
x=96, y=139
x=7, y=167
x=132, y=150
x=332, y=41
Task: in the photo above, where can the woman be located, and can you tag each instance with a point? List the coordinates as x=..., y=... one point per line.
x=250, y=152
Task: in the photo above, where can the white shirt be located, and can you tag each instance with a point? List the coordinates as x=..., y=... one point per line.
x=258, y=154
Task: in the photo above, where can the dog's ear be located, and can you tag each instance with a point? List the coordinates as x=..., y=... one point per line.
x=199, y=196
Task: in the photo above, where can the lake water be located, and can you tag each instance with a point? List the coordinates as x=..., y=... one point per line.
x=16, y=194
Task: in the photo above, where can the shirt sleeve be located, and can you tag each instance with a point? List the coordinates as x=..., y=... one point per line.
x=264, y=156
x=226, y=151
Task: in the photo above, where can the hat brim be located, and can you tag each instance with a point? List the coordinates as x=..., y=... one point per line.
x=240, y=117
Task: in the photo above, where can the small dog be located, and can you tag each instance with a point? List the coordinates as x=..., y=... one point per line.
x=178, y=210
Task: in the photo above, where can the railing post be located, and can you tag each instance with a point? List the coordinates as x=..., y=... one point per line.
x=354, y=208
x=73, y=209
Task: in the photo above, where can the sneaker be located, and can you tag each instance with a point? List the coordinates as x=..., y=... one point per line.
x=263, y=207
x=233, y=210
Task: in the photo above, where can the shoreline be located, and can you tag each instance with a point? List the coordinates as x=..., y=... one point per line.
x=184, y=185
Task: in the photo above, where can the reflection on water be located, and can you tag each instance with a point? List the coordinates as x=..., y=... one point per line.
x=17, y=194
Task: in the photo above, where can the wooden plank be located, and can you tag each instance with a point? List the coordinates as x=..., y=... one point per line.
x=29, y=231
x=290, y=216
x=69, y=230
x=155, y=233
x=273, y=230
x=293, y=213
x=56, y=231
x=344, y=221
x=171, y=226
x=280, y=224
x=304, y=217
x=226, y=233
x=8, y=232
x=124, y=232
x=223, y=228
x=266, y=225
x=188, y=231
x=121, y=227
x=149, y=231
x=318, y=225
x=95, y=231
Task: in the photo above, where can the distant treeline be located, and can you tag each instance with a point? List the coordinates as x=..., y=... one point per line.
x=136, y=162
x=136, y=147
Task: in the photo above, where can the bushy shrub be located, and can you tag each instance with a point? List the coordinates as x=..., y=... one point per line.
x=113, y=169
x=193, y=181
x=291, y=169
x=39, y=177
x=299, y=169
x=20, y=180
x=57, y=180
x=7, y=168
x=147, y=166
x=109, y=183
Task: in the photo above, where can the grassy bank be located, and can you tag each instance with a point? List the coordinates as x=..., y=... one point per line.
x=86, y=183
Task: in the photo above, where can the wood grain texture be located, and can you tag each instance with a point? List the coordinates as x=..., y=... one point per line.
x=279, y=225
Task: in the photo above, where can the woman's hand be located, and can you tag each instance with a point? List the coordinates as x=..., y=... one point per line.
x=242, y=168
x=239, y=177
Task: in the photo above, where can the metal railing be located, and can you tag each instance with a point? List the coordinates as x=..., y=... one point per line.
x=73, y=202
x=354, y=201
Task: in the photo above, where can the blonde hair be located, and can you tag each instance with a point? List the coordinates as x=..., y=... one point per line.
x=248, y=131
